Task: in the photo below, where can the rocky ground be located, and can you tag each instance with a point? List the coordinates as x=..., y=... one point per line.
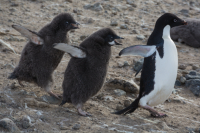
x=29, y=109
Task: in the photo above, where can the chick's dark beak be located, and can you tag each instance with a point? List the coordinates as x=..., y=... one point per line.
x=75, y=25
x=184, y=23
x=118, y=37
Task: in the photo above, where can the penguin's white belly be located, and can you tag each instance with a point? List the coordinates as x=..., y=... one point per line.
x=165, y=75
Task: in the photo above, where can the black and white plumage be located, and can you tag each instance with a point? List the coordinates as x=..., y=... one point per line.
x=188, y=34
x=39, y=59
x=86, y=70
x=160, y=66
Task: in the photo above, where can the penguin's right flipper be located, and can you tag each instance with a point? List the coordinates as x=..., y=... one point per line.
x=140, y=50
x=31, y=35
x=72, y=50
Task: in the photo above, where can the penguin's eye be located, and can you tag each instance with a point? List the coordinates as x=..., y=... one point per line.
x=175, y=20
x=66, y=22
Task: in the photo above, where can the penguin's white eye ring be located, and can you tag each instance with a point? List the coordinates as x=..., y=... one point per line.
x=66, y=22
x=175, y=20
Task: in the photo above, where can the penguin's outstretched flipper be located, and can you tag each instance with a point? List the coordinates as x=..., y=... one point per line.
x=31, y=35
x=138, y=50
x=74, y=51
x=131, y=108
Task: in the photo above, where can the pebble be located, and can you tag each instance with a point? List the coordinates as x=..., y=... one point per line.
x=26, y=121
x=138, y=64
x=64, y=127
x=127, y=86
x=95, y=7
x=192, y=73
x=131, y=2
x=50, y=99
x=113, y=23
x=194, y=67
x=134, y=31
x=82, y=37
x=182, y=67
x=185, y=12
x=119, y=107
x=69, y=1
x=123, y=26
x=9, y=125
x=182, y=80
x=119, y=92
x=194, y=86
x=76, y=127
x=178, y=83
x=140, y=37
x=90, y=20
x=127, y=103
x=188, y=76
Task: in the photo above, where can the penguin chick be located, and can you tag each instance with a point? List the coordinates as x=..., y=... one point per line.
x=86, y=70
x=188, y=34
x=39, y=59
x=160, y=66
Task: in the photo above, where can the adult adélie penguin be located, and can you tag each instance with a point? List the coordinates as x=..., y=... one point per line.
x=160, y=66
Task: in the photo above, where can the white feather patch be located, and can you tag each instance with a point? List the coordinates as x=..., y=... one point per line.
x=139, y=50
x=73, y=51
x=112, y=43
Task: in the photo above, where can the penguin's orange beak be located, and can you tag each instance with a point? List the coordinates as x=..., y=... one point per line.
x=184, y=23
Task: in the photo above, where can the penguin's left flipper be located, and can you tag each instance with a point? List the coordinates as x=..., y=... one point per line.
x=74, y=51
x=138, y=50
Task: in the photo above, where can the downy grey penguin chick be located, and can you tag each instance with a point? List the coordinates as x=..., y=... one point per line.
x=86, y=70
x=160, y=66
x=39, y=59
x=188, y=34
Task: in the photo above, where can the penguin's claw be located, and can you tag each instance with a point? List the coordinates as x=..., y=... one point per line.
x=83, y=113
x=159, y=115
x=59, y=96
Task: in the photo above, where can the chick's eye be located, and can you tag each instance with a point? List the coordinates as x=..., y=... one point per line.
x=175, y=20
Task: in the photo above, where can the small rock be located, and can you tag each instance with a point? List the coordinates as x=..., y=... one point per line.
x=76, y=127
x=131, y=2
x=119, y=92
x=140, y=37
x=182, y=80
x=90, y=20
x=127, y=103
x=184, y=72
x=163, y=125
x=194, y=73
x=135, y=31
x=64, y=127
x=82, y=37
x=14, y=4
x=126, y=21
x=194, y=86
x=9, y=125
x=113, y=23
x=12, y=86
x=69, y=1
x=26, y=121
x=95, y=7
x=100, y=96
x=108, y=98
x=119, y=107
x=182, y=67
x=185, y=12
x=138, y=64
x=127, y=86
x=178, y=76
x=178, y=83
x=50, y=99
x=123, y=26
x=126, y=63
x=194, y=67
x=192, y=76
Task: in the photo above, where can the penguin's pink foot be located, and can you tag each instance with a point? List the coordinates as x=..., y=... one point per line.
x=153, y=112
x=58, y=96
x=83, y=113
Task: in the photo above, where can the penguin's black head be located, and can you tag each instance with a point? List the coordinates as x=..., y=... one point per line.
x=109, y=37
x=171, y=20
x=64, y=22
